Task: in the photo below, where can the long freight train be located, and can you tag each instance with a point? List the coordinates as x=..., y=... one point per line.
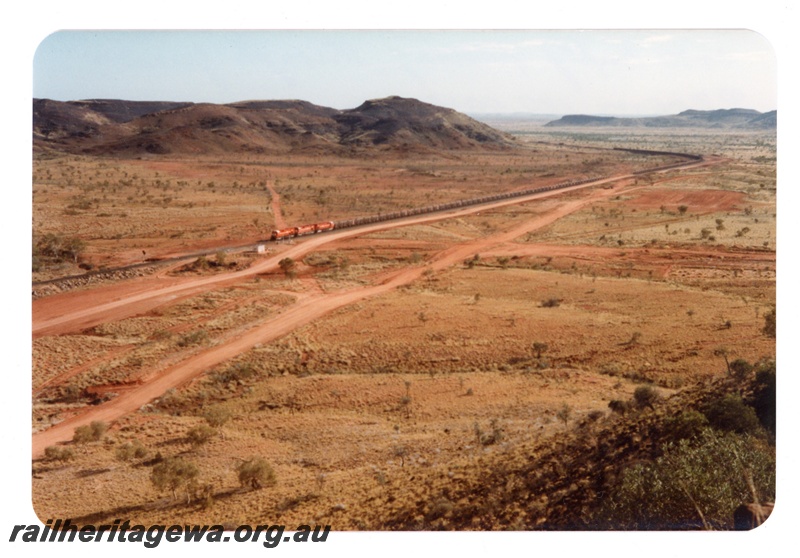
x=292, y=232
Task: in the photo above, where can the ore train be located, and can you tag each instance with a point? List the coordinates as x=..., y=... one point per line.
x=291, y=232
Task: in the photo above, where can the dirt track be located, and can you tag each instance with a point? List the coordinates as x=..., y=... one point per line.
x=71, y=312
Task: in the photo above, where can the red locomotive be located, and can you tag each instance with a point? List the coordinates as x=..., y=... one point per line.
x=280, y=234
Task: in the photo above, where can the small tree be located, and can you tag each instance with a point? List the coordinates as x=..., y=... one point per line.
x=731, y=414
x=564, y=414
x=255, y=473
x=723, y=352
x=174, y=473
x=682, y=209
x=539, y=348
x=695, y=484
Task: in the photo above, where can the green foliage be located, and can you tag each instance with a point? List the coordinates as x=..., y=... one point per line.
x=173, y=473
x=255, y=473
x=685, y=425
x=731, y=414
x=93, y=432
x=764, y=395
x=695, y=484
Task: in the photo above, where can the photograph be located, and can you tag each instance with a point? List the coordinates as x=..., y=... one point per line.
x=287, y=283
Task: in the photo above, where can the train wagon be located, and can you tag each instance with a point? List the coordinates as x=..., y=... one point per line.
x=280, y=234
x=322, y=227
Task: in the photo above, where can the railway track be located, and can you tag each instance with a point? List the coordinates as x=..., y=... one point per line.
x=315, y=228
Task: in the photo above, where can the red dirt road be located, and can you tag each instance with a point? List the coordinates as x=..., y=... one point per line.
x=74, y=311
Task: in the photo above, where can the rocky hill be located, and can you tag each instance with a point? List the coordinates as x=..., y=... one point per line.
x=735, y=119
x=109, y=127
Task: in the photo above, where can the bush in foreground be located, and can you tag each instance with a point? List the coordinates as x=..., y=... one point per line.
x=695, y=484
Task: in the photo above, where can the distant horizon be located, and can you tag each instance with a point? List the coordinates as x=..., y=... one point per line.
x=473, y=114
x=603, y=72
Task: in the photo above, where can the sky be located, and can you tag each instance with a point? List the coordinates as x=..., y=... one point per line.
x=617, y=72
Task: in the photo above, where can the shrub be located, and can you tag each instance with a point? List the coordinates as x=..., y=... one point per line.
x=731, y=414
x=131, y=450
x=685, y=425
x=645, y=396
x=56, y=249
x=769, y=324
x=619, y=406
x=57, y=453
x=200, y=434
x=255, y=473
x=488, y=438
x=551, y=303
x=217, y=416
x=235, y=373
x=193, y=338
x=693, y=485
x=740, y=368
x=93, y=432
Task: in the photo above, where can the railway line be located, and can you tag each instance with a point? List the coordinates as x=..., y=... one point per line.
x=314, y=228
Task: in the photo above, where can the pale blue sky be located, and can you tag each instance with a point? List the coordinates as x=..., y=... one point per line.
x=553, y=72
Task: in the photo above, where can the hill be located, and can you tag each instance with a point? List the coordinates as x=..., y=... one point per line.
x=735, y=119
x=108, y=127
